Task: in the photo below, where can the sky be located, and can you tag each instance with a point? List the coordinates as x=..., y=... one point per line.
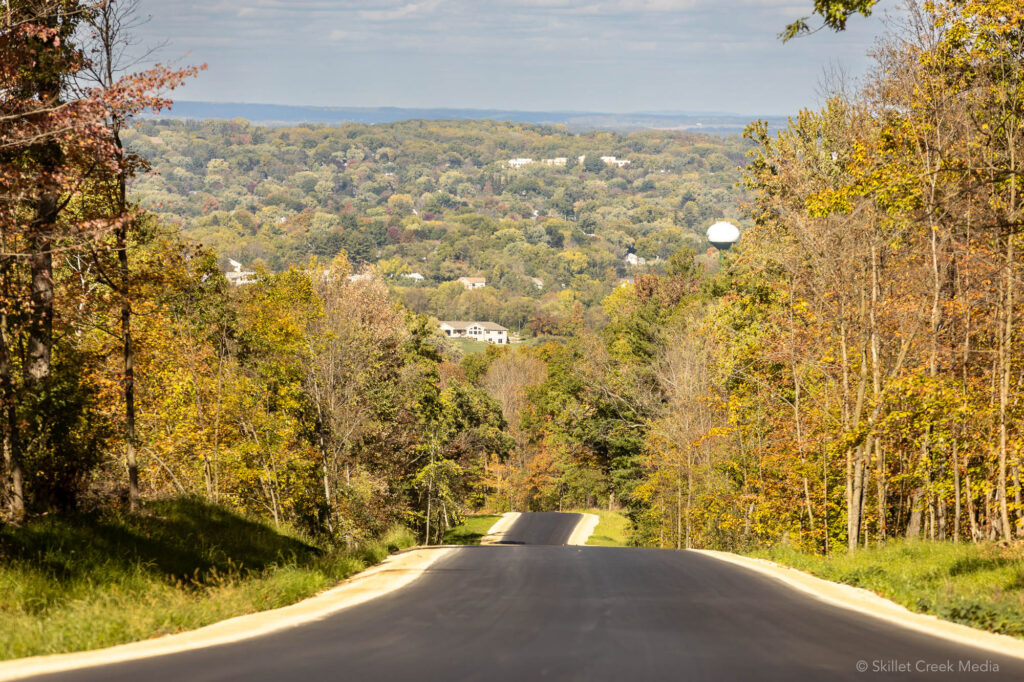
x=612, y=56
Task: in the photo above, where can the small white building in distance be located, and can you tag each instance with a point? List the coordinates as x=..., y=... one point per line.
x=557, y=161
x=537, y=282
x=477, y=331
x=633, y=260
x=237, y=276
x=415, y=276
x=608, y=161
x=473, y=282
x=519, y=163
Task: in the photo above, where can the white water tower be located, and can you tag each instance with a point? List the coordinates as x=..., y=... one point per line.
x=722, y=235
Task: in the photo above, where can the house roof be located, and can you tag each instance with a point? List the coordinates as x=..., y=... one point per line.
x=466, y=324
x=473, y=280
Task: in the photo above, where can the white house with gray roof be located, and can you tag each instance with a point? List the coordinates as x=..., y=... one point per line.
x=477, y=331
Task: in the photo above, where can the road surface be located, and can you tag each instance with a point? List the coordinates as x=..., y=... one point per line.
x=532, y=609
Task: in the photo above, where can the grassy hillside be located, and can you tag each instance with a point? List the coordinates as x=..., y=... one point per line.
x=470, y=345
x=107, y=579
x=611, y=531
x=977, y=585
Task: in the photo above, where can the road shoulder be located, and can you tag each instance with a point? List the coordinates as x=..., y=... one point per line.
x=498, y=530
x=393, y=573
x=584, y=529
x=869, y=603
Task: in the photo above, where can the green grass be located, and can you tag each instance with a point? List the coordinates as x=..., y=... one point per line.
x=105, y=579
x=470, y=345
x=541, y=340
x=611, y=531
x=471, y=530
x=977, y=585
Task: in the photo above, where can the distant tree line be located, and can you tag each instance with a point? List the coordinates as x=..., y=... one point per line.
x=439, y=199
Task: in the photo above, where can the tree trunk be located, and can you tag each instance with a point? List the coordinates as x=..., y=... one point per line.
x=689, y=495
x=50, y=157
x=129, y=398
x=40, y=331
x=679, y=505
x=914, y=524
x=876, y=389
x=1006, y=339
x=881, y=491
x=121, y=234
x=956, y=492
x=854, y=456
x=327, y=482
x=14, y=479
x=129, y=362
x=941, y=504
x=972, y=515
x=856, y=510
x=430, y=492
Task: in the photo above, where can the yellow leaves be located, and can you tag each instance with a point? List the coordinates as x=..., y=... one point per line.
x=828, y=201
x=575, y=261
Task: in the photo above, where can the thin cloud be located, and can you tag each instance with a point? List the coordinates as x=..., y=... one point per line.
x=401, y=11
x=532, y=54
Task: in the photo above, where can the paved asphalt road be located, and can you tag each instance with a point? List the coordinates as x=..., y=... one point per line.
x=545, y=528
x=539, y=610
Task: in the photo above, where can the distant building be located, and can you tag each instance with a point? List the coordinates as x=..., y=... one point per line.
x=537, y=282
x=477, y=331
x=415, y=276
x=608, y=161
x=237, y=276
x=473, y=282
x=633, y=260
x=612, y=161
x=626, y=281
x=519, y=163
x=557, y=161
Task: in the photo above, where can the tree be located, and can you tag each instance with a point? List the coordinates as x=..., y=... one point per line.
x=592, y=163
x=110, y=26
x=44, y=138
x=834, y=15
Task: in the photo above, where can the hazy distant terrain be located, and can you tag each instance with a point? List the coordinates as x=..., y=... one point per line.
x=278, y=114
x=441, y=199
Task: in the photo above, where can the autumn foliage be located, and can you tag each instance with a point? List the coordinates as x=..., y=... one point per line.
x=129, y=368
x=853, y=372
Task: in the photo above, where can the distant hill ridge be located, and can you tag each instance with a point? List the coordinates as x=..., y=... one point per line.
x=281, y=114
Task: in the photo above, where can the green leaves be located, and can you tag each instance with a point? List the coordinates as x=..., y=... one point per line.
x=834, y=15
